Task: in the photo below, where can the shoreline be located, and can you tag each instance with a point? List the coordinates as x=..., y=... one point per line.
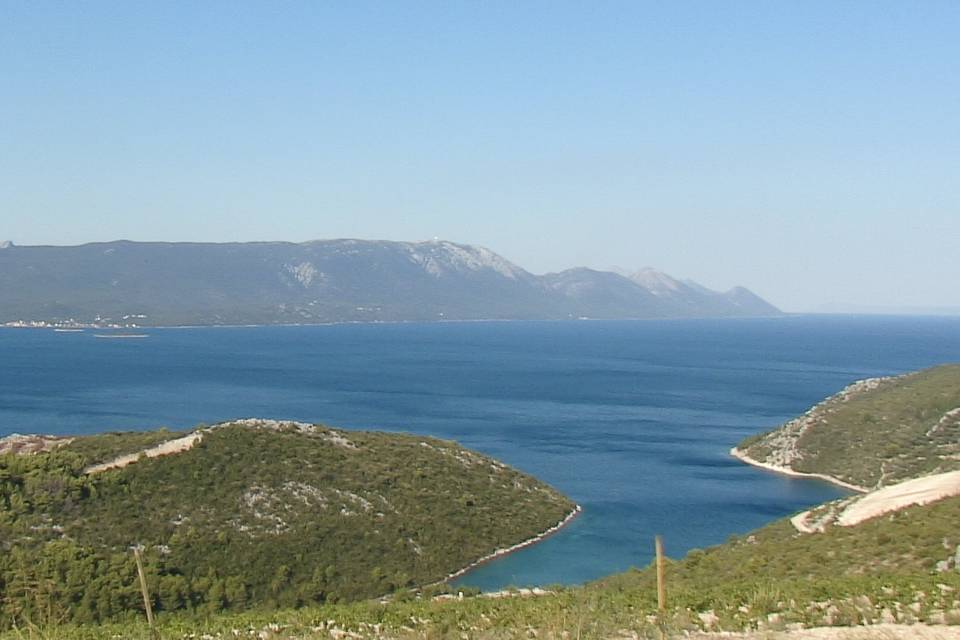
x=499, y=553
x=743, y=457
x=329, y=323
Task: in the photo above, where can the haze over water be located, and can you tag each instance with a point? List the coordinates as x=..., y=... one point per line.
x=632, y=419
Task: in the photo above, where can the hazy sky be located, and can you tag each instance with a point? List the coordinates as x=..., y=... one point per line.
x=807, y=150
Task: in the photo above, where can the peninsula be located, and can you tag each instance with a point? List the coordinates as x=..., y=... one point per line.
x=252, y=513
x=872, y=434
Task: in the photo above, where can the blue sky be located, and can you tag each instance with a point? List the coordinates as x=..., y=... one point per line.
x=807, y=150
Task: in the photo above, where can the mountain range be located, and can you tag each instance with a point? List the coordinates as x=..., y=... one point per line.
x=158, y=283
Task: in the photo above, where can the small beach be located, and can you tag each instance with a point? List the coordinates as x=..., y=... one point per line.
x=743, y=457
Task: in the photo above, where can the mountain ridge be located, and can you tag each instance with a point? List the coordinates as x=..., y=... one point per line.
x=320, y=281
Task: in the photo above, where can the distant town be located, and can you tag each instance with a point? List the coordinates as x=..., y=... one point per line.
x=71, y=323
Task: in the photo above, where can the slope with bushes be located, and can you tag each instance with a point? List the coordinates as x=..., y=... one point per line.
x=900, y=568
x=874, y=433
x=255, y=513
x=897, y=567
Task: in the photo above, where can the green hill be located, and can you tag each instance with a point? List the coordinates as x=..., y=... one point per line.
x=772, y=579
x=874, y=433
x=901, y=566
x=249, y=514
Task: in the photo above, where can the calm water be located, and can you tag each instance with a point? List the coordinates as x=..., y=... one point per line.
x=631, y=419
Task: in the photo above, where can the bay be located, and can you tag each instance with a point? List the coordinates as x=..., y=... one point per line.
x=632, y=419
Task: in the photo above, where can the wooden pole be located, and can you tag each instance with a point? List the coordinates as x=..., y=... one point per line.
x=143, y=586
x=661, y=586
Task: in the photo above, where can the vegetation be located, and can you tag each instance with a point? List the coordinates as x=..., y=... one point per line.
x=263, y=514
x=899, y=567
x=875, y=434
x=918, y=541
x=883, y=570
x=107, y=446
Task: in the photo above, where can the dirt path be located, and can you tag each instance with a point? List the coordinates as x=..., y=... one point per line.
x=177, y=445
x=853, y=511
x=899, y=496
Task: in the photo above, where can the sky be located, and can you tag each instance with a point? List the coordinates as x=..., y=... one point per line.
x=808, y=150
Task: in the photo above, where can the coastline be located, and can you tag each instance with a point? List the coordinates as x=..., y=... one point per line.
x=39, y=324
x=499, y=553
x=743, y=457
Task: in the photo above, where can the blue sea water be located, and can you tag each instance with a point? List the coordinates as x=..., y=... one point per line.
x=632, y=419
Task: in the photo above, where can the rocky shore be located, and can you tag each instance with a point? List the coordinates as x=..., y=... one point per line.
x=520, y=545
x=743, y=457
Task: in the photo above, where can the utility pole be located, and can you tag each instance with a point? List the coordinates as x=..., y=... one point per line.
x=143, y=586
x=661, y=586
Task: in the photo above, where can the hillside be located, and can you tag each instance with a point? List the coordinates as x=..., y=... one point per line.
x=250, y=513
x=896, y=569
x=873, y=433
x=157, y=284
x=902, y=567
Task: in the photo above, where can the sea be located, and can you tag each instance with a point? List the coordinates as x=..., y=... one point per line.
x=632, y=419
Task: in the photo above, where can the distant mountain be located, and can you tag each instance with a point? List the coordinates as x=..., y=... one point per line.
x=156, y=283
x=688, y=298
x=590, y=293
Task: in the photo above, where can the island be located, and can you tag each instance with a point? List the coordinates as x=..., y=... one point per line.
x=125, y=284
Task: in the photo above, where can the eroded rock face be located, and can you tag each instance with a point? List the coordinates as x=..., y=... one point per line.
x=782, y=443
x=331, y=435
x=873, y=434
x=23, y=445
